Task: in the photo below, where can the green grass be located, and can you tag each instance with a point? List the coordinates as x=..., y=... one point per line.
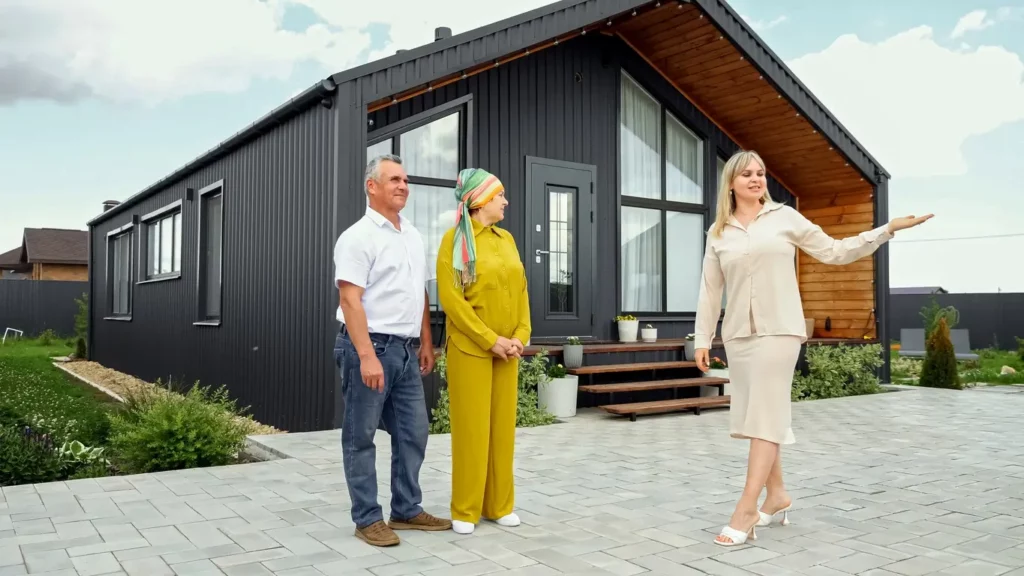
x=985, y=369
x=46, y=398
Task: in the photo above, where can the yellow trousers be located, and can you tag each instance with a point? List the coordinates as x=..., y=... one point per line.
x=482, y=396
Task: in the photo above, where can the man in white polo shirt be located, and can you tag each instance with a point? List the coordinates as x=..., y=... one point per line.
x=383, y=349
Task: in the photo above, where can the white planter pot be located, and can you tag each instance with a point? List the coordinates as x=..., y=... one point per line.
x=559, y=396
x=713, y=390
x=688, y=350
x=572, y=356
x=649, y=334
x=627, y=330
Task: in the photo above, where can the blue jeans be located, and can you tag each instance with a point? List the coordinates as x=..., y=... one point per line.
x=402, y=411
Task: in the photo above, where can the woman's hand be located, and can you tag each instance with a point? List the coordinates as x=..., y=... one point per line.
x=502, y=348
x=703, y=362
x=517, y=348
x=905, y=222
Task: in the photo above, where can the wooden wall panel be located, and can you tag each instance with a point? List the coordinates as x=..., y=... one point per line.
x=845, y=294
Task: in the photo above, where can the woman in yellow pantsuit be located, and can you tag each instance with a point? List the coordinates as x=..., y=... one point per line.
x=481, y=283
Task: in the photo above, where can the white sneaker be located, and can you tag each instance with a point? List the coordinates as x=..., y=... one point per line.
x=510, y=521
x=461, y=527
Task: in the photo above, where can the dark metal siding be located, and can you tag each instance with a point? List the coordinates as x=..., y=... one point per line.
x=882, y=298
x=34, y=306
x=279, y=229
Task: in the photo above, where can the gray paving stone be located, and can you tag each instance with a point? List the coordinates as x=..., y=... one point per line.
x=103, y=563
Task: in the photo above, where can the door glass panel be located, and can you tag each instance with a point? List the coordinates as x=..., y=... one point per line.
x=562, y=257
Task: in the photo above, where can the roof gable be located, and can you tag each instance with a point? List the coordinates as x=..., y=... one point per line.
x=10, y=258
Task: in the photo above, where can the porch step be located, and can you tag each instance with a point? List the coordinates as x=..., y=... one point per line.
x=665, y=406
x=636, y=367
x=655, y=385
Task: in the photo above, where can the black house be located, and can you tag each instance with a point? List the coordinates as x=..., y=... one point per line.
x=607, y=120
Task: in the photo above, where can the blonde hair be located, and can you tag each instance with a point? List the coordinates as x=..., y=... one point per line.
x=726, y=202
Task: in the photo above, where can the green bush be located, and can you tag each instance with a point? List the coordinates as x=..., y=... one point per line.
x=837, y=371
x=27, y=457
x=82, y=317
x=932, y=313
x=47, y=337
x=903, y=367
x=939, y=370
x=1020, y=348
x=160, y=431
x=532, y=372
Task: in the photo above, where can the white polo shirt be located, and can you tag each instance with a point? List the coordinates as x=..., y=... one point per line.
x=391, y=266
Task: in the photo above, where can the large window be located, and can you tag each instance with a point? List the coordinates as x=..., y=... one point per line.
x=163, y=242
x=662, y=221
x=119, y=272
x=432, y=146
x=211, y=253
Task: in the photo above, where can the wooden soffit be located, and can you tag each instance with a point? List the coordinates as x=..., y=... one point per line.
x=692, y=54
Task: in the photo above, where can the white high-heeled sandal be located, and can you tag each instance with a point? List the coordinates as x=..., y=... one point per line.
x=736, y=536
x=766, y=519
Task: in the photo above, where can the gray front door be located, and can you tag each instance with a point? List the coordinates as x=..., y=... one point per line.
x=559, y=250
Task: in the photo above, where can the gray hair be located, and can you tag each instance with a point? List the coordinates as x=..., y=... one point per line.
x=373, y=169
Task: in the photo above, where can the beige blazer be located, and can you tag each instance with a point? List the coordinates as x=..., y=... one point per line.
x=756, y=266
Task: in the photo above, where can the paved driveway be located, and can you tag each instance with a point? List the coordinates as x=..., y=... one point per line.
x=910, y=482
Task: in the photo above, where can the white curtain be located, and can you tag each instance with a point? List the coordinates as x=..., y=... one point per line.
x=684, y=235
x=640, y=142
x=642, y=243
x=684, y=154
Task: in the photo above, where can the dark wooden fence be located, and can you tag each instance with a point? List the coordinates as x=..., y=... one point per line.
x=33, y=306
x=993, y=319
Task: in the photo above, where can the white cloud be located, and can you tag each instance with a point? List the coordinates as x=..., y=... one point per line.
x=761, y=25
x=913, y=102
x=973, y=21
x=126, y=50
x=150, y=51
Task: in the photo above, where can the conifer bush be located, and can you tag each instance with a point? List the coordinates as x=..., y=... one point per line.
x=939, y=370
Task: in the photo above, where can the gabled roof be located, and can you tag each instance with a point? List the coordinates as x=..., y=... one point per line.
x=410, y=72
x=56, y=246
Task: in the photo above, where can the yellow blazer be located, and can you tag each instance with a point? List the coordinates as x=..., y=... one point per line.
x=496, y=304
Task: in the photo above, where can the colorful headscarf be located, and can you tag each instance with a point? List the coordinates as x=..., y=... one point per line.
x=474, y=189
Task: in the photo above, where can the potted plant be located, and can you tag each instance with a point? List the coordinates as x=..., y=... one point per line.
x=718, y=369
x=557, y=395
x=688, y=351
x=628, y=325
x=649, y=334
x=572, y=352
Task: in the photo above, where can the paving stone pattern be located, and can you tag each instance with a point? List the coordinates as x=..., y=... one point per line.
x=904, y=483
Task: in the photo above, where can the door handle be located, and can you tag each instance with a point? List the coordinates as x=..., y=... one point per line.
x=539, y=252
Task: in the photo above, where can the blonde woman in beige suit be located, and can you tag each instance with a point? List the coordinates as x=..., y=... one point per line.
x=750, y=253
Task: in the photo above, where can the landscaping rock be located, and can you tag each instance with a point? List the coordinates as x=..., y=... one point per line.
x=1007, y=370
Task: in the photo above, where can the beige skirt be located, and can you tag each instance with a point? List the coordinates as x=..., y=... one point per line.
x=760, y=379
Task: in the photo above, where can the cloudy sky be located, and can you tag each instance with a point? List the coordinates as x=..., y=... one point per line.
x=98, y=99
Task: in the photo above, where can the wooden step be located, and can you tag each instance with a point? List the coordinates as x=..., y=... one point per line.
x=655, y=385
x=610, y=368
x=665, y=406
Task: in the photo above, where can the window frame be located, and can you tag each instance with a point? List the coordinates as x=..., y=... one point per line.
x=203, y=318
x=110, y=273
x=662, y=205
x=148, y=220
x=463, y=107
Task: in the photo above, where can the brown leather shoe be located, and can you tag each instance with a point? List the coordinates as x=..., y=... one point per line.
x=422, y=521
x=377, y=534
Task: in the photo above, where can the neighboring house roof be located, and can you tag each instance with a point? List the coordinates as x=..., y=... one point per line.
x=11, y=258
x=448, y=56
x=919, y=290
x=56, y=246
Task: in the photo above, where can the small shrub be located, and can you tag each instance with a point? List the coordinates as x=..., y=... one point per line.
x=939, y=370
x=47, y=337
x=903, y=367
x=837, y=371
x=556, y=371
x=80, y=352
x=27, y=457
x=932, y=313
x=172, y=432
x=1020, y=348
x=82, y=316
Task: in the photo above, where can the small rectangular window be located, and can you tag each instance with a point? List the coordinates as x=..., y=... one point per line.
x=211, y=252
x=119, y=273
x=163, y=243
